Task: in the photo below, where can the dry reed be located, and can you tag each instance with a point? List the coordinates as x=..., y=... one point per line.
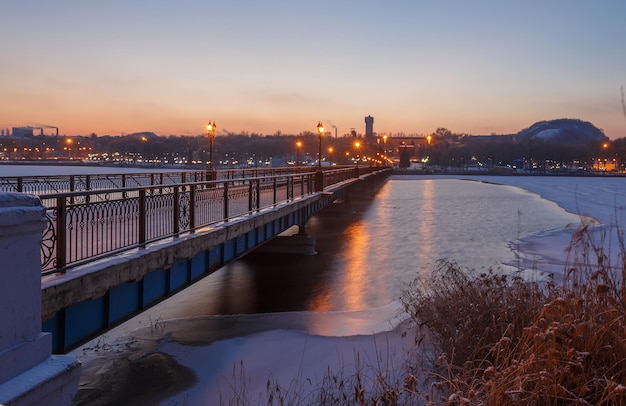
x=505, y=341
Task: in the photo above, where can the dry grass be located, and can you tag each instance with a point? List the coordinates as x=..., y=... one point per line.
x=358, y=384
x=510, y=342
x=501, y=340
x=465, y=315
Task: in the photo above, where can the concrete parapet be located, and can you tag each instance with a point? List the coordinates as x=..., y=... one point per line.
x=28, y=373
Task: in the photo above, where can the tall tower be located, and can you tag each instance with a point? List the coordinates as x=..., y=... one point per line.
x=369, y=126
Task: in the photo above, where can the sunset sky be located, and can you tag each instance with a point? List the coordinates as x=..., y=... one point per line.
x=477, y=67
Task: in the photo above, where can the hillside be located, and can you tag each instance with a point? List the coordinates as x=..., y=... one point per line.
x=563, y=130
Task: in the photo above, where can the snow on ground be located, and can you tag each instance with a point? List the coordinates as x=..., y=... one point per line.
x=603, y=198
x=341, y=342
x=599, y=201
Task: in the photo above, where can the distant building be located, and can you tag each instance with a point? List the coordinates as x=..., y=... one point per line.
x=369, y=126
x=21, y=132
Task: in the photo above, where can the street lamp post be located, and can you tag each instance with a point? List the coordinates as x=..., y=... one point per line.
x=69, y=147
x=605, y=147
x=210, y=128
x=357, y=145
x=384, y=156
x=298, y=146
x=320, y=131
x=319, y=175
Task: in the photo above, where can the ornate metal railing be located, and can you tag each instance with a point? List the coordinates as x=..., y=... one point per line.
x=224, y=174
x=39, y=185
x=337, y=176
x=89, y=225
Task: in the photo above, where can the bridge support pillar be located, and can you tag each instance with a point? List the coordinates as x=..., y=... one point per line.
x=29, y=374
x=293, y=241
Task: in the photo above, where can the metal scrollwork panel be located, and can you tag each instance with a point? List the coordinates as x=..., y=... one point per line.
x=253, y=197
x=80, y=184
x=185, y=211
x=49, y=242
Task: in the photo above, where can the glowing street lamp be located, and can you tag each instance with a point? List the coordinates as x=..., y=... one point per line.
x=69, y=142
x=330, y=153
x=384, y=146
x=210, y=128
x=298, y=146
x=320, y=131
x=357, y=145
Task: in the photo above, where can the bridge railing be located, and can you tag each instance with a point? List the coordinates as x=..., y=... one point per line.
x=84, y=226
x=39, y=185
x=224, y=174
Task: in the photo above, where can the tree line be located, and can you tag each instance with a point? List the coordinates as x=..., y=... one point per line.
x=444, y=148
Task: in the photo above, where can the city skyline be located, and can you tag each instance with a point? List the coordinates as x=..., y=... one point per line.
x=261, y=67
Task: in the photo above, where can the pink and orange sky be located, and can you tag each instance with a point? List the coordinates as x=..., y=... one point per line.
x=476, y=67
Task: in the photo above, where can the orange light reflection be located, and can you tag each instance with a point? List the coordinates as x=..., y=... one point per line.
x=355, y=275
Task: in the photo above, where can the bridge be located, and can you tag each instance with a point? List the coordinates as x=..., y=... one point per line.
x=114, y=245
x=109, y=250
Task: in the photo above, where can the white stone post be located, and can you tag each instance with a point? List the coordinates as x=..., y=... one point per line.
x=29, y=374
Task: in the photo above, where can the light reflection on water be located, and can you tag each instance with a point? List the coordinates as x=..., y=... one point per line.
x=354, y=276
x=473, y=223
